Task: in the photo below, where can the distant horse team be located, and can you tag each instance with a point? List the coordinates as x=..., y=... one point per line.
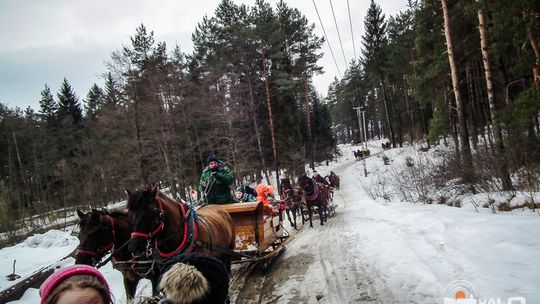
x=155, y=228
x=361, y=154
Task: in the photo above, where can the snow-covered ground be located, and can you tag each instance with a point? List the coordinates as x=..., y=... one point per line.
x=371, y=251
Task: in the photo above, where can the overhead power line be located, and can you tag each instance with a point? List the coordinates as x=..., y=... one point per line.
x=339, y=36
x=326, y=36
x=352, y=34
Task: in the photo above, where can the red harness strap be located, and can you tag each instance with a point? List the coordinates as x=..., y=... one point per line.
x=161, y=226
x=185, y=238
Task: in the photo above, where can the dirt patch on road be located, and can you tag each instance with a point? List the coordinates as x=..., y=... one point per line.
x=259, y=287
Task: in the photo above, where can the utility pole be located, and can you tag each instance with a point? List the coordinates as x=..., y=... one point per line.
x=361, y=113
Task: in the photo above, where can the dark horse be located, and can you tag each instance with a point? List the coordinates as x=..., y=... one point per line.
x=293, y=202
x=314, y=197
x=165, y=227
x=103, y=231
x=334, y=180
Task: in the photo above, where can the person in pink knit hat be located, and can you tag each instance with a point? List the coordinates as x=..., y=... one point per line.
x=77, y=284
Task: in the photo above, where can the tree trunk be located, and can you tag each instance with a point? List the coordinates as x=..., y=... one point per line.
x=409, y=111
x=256, y=126
x=499, y=151
x=536, y=48
x=463, y=134
x=388, y=121
x=472, y=102
x=308, y=122
x=270, y=118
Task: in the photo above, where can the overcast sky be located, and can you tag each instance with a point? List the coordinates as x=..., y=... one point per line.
x=41, y=42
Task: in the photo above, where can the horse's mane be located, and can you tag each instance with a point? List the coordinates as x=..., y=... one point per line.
x=104, y=211
x=165, y=196
x=115, y=212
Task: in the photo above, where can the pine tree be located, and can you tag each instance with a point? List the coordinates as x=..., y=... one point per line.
x=94, y=102
x=374, y=57
x=48, y=106
x=68, y=104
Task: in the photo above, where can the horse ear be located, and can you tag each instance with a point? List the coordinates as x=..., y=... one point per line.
x=127, y=192
x=95, y=214
x=81, y=214
x=154, y=190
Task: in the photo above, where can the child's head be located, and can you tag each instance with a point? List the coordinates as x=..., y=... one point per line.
x=79, y=284
x=194, y=278
x=239, y=193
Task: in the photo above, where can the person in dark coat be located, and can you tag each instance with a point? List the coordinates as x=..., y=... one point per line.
x=194, y=278
x=319, y=179
x=215, y=182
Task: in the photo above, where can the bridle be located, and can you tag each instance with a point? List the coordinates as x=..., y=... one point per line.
x=100, y=251
x=150, y=235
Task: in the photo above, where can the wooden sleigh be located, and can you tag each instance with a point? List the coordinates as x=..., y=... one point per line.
x=260, y=237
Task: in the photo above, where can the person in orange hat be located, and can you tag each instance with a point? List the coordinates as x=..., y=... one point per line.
x=265, y=194
x=262, y=196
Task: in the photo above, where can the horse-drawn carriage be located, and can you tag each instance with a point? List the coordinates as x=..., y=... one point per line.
x=260, y=237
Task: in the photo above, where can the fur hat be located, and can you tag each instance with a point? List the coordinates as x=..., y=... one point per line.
x=194, y=278
x=57, y=277
x=210, y=159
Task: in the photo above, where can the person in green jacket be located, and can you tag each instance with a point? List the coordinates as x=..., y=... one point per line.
x=216, y=180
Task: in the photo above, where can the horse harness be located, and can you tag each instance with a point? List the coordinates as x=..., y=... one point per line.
x=315, y=193
x=101, y=251
x=190, y=220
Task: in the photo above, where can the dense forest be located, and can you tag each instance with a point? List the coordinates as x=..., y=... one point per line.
x=442, y=71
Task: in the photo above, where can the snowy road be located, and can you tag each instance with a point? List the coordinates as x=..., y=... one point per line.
x=377, y=252
x=321, y=264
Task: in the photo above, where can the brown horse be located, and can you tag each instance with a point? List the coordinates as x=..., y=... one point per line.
x=314, y=196
x=334, y=180
x=103, y=231
x=293, y=202
x=163, y=227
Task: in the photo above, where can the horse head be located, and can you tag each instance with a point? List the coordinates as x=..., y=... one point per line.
x=303, y=181
x=285, y=185
x=146, y=214
x=96, y=236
